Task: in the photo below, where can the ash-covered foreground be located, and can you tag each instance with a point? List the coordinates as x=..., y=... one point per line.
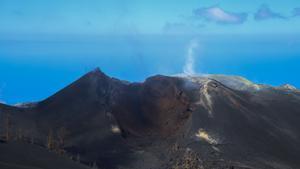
x=163, y=123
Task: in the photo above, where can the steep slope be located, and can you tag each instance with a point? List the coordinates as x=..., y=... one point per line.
x=157, y=107
x=259, y=129
x=82, y=109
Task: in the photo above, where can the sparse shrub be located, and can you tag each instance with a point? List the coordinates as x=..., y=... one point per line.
x=189, y=160
x=175, y=147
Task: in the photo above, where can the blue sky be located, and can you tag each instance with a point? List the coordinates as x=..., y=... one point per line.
x=145, y=17
x=45, y=45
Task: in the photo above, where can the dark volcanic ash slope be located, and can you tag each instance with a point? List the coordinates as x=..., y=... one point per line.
x=258, y=129
x=158, y=107
x=154, y=124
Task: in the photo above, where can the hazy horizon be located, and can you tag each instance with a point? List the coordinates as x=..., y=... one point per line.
x=45, y=46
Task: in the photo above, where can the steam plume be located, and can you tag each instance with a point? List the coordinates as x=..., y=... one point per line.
x=188, y=68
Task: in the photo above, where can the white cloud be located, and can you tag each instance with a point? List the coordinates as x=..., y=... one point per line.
x=220, y=16
x=265, y=13
x=296, y=12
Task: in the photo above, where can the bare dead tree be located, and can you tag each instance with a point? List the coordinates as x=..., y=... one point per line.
x=7, y=127
x=50, y=140
x=62, y=134
x=94, y=165
x=19, y=134
x=31, y=140
x=78, y=157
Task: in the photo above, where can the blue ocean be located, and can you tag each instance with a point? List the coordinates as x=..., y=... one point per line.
x=33, y=68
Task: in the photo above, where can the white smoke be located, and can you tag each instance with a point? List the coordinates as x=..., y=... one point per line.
x=189, y=67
